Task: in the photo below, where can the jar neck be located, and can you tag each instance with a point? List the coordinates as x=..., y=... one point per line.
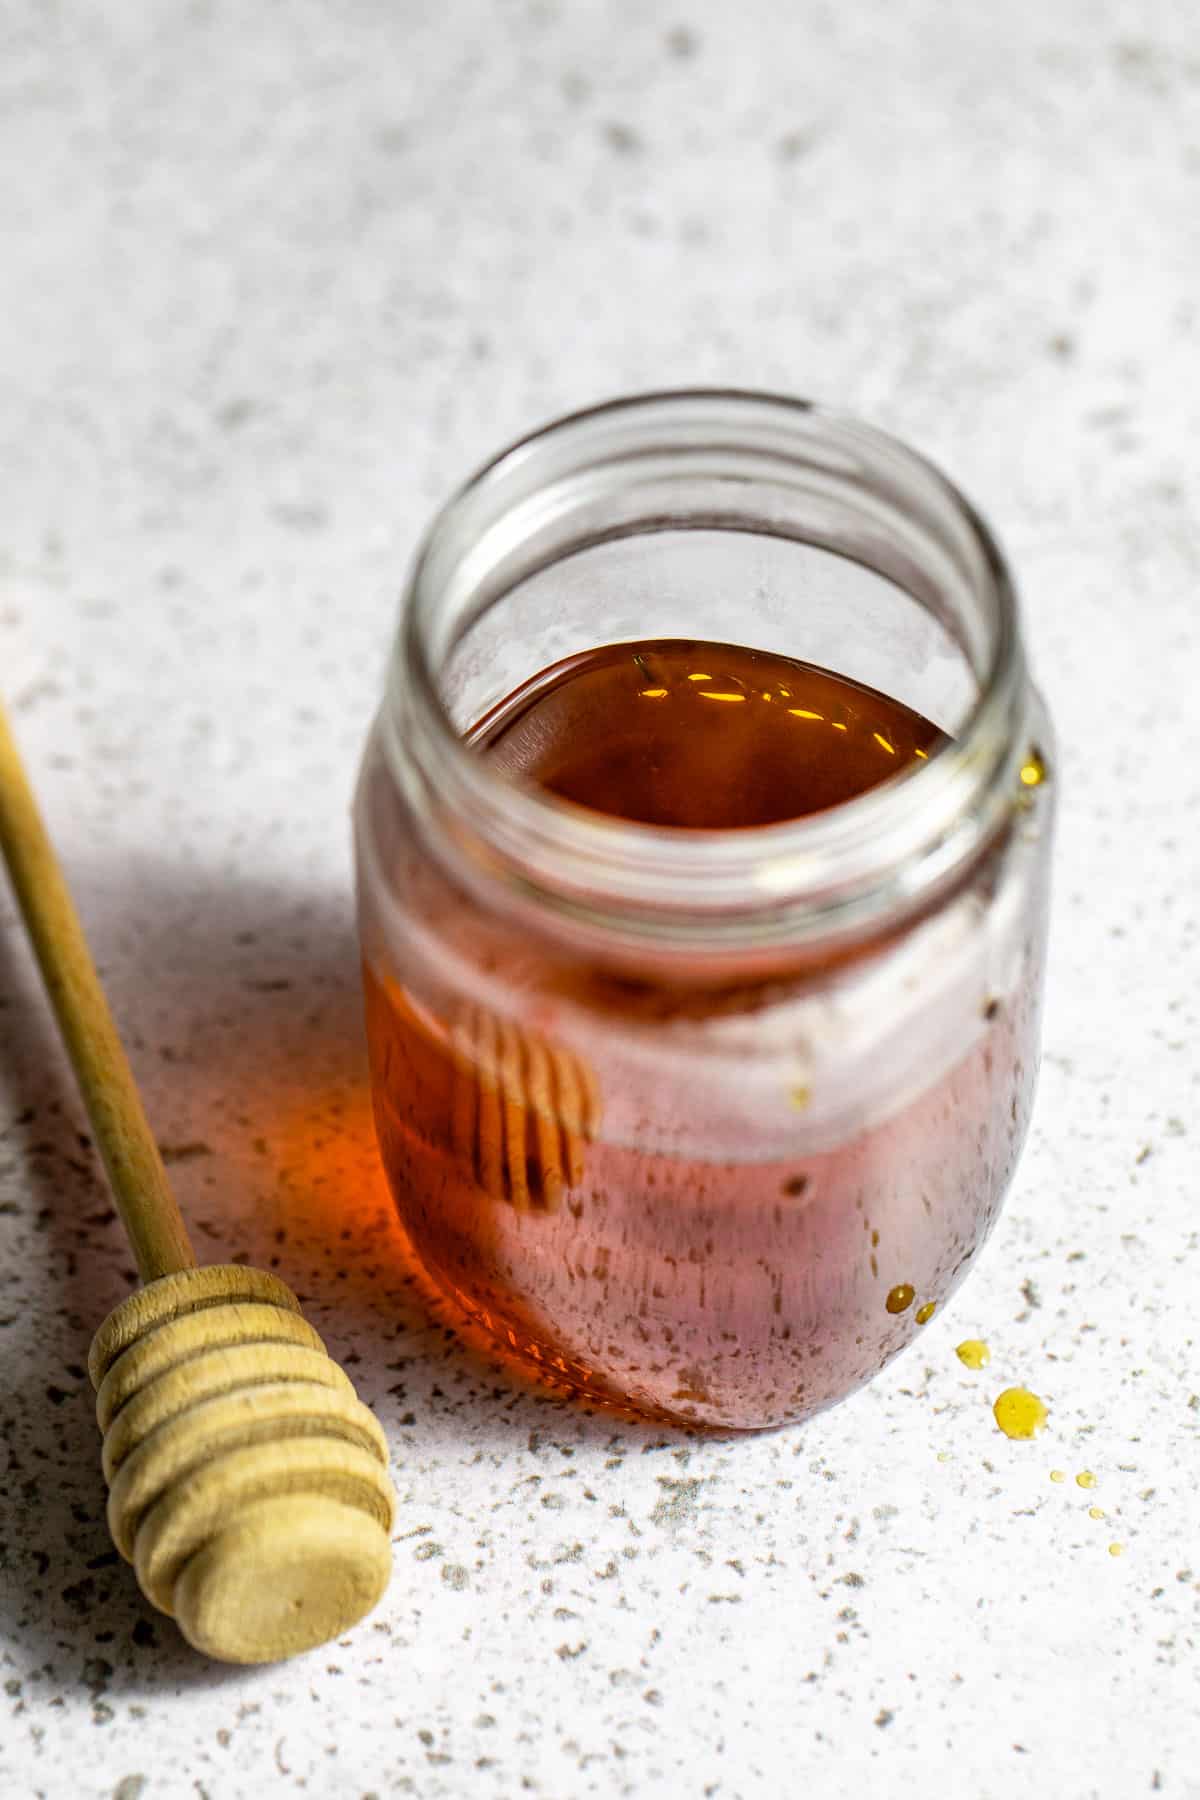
x=711, y=461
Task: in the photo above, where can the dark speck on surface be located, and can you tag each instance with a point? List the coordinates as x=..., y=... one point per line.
x=796, y=144
x=306, y=516
x=682, y=42
x=97, y=1673
x=622, y=138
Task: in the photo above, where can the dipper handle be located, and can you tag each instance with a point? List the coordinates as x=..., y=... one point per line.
x=149, y=1211
x=248, y=1484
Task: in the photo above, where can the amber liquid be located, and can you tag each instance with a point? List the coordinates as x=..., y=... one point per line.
x=701, y=736
x=741, y=1293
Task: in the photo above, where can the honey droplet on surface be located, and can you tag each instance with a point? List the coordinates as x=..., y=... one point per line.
x=1058, y=1475
x=1033, y=770
x=973, y=1353
x=901, y=1297
x=1116, y=1549
x=1019, y=1414
x=926, y=1312
x=1085, y=1479
x=1095, y=1512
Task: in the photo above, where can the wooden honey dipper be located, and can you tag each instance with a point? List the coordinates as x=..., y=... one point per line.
x=248, y=1484
x=522, y=1110
x=522, y=1107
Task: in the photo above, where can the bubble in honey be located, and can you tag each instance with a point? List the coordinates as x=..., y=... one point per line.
x=926, y=1312
x=973, y=1353
x=1085, y=1479
x=1058, y=1474
x=1019, y=1414
x=1116, y=1549
x=1095, y=1512
x=901, y=1297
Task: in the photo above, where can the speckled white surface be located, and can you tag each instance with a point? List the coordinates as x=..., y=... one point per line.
x=273, y=280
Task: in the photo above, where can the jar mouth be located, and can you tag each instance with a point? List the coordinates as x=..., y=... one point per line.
x=712, y=460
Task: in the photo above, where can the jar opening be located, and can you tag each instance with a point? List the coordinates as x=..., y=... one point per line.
x=745, y=518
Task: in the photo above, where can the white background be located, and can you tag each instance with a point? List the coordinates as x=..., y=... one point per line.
x=273, y=278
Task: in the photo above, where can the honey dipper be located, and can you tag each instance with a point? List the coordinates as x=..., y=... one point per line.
x=522, y=1110
x=248, y=1484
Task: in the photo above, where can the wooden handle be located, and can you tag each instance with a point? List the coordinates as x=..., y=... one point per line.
x=122, y=1133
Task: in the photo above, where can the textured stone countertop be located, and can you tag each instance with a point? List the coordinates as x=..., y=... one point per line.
x=273, y=280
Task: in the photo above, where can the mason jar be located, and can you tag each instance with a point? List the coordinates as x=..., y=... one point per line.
x=705, y=1124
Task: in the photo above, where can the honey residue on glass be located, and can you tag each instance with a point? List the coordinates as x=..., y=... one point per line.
x=694, y=1285
x=1019, y=1414
x=973, y=1353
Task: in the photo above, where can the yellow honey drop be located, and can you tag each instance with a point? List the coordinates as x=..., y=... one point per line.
x=926, y=1312
x=973, y=1353
x=901, y=1297
x=1116, y=1549
x=1019, y=1414
x=1085, y=1479
x=1058, y=1475
x=1033, y=770
x=1095, y=1512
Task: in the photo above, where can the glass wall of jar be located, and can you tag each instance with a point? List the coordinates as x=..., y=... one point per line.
x=705, y=1123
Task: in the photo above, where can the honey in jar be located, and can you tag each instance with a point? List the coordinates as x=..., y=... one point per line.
x=702, y=980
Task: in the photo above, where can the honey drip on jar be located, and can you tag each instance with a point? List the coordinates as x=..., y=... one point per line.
x=693, y=1288
x=901, y=1297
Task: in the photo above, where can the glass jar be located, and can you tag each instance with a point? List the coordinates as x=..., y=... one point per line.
x=705, y=1123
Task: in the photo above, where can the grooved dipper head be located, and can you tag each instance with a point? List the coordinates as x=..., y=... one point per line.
x=247, y=1483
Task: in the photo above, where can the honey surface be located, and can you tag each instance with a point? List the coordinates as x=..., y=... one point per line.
x=702, y=736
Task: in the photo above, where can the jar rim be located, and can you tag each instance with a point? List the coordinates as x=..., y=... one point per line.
x=873, y=858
